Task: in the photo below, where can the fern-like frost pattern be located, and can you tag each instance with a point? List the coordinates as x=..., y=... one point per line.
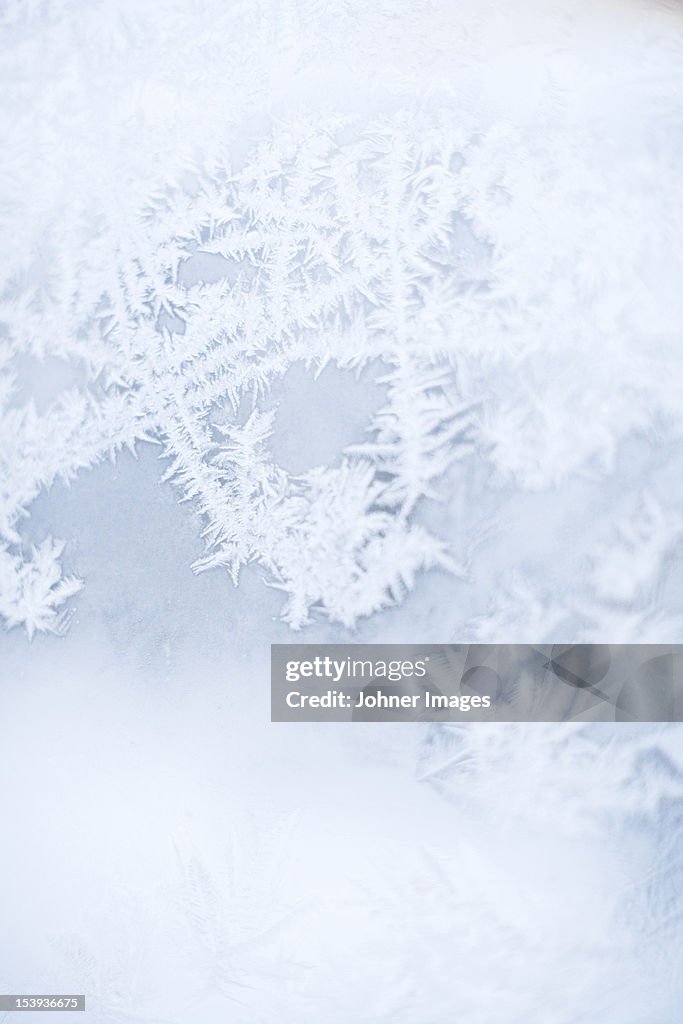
x=505, y=257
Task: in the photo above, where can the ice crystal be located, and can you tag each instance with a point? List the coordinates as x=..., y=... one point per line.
x=509, y=254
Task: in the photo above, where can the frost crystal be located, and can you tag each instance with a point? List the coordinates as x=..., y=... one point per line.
x=32, y=590
x=498, y=251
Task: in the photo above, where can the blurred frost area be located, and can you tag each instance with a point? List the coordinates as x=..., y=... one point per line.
x=174, y=855
x=164, y=848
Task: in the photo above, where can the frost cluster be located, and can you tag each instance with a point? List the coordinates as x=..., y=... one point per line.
x=499, y=230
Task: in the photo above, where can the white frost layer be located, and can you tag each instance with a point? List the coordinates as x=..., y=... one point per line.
x=174, y=855
x=483, y=201
x=170, y=853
